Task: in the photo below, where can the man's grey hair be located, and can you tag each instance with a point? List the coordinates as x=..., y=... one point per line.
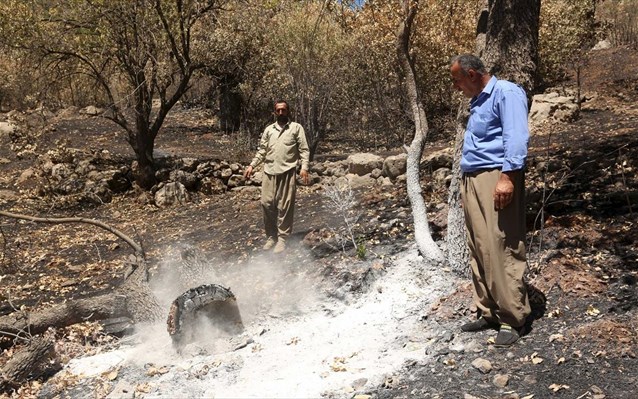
x=469, y=61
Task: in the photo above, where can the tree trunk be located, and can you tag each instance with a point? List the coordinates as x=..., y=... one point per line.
x=426, y=245
x=507, y=41
x=458, y=253
x=229, y=104
x=145, y=172
x=511, y=40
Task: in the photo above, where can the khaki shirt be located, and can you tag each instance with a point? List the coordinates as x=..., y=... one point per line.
x=281, y=148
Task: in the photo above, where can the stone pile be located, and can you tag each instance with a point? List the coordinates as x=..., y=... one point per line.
x=96, y=176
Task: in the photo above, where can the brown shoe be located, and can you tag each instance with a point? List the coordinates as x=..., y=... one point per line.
x=279, y=247
x=507, y=335
x=270, y=242
x=478, y=325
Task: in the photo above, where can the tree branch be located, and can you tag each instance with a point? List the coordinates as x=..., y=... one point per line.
x=136, y=247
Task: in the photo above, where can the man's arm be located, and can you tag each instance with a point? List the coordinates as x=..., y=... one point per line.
x=259, y=156
x=513, y=114
x=304, y=154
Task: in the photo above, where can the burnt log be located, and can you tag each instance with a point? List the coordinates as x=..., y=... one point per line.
x=133, y=300
x=25, y=363
x=194, y=313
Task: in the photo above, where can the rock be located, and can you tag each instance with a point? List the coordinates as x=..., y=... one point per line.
x=205, y=168
x=98, y=193
x=4, y=161
x=84, y=167
x=170, y=194
x=483, y=365
x=211, y=185
x=118, y=181
x=363, y=163
x=8, y=195
x=236, y=181
x=25, y=176
x=501, y=380
x=60, y=171
x=357, y=181
x=359, y=383
x=602, y=45
x=163, y=174
x=189, y=180
x=226, y=173
x=92, y=110
x=384, y=181
x=448, y=336
x=395, y=165
x=318, y=168
x=438, y=159
x=236, y=168
x=6, y=128
x=442, y=176
x=376, y=173
x=552, y=106
x=189, y=164
x=123, y=390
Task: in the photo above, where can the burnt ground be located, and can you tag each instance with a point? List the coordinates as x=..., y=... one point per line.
x=583, y=252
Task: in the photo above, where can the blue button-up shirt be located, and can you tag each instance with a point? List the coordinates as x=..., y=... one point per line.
x=497, y=133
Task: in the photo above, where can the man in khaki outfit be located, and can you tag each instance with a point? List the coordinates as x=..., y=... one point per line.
x=282, y=145
x=492, y=192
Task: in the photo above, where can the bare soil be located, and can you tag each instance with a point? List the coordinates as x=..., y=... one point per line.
x=583, y=252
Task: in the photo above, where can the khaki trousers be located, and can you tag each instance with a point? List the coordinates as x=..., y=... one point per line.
x=497, y=248
x=278, y=203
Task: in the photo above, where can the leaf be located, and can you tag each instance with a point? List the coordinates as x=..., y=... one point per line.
x=112, y=375
x=592, y=311
x=536, y=359
x=145, y=388
x=338, y=364
x=558, y=387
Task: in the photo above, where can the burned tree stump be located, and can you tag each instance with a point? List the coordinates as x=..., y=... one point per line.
x=202, y=312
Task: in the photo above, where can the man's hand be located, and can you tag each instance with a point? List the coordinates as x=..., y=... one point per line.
x=504, y=190
x=305, y=178
x=248, y=172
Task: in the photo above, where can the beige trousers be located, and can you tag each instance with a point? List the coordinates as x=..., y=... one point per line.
x=497, y=248
x=278, y=203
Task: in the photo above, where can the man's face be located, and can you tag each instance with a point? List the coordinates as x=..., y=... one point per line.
x=281, y=112
x=469, y=83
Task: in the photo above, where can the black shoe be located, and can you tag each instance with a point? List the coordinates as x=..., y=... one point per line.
x=477, y=325
x=507, y=335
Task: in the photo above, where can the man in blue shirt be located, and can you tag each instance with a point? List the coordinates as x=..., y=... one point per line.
x=492, y=192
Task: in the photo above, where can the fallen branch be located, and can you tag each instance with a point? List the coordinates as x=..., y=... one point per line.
x=137, y=247
x=22, y=364
x=134, y=299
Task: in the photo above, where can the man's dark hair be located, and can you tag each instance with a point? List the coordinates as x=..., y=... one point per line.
x=282, y=102
x=469, y=61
